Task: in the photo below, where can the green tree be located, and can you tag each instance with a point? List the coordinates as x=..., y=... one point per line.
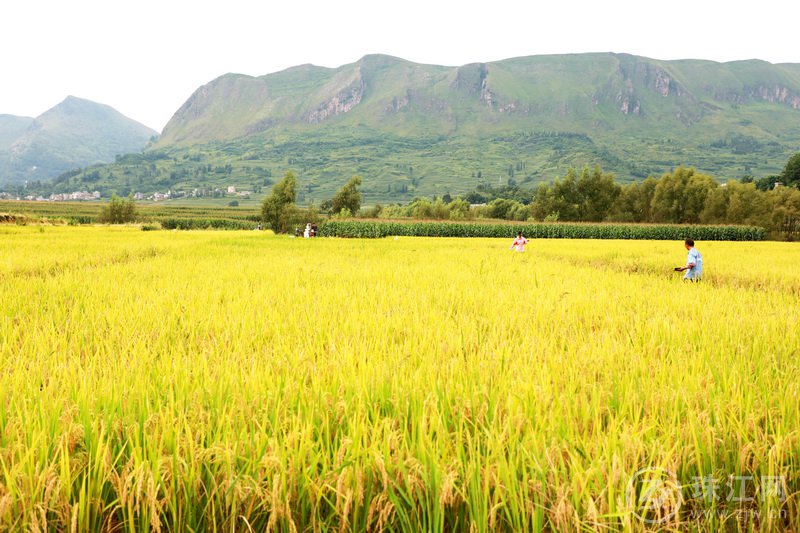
x=374, y=211
x=767, y=183
x=459, y=209
x=597, y=192
x=422, y=208
x=785, y=212
x=680, y=196
x=644, y=205
x=118, y=211
x=634, y=202
x=791, y=172
x=566, y=198
x=736, y=203
x=588, y=197
x=278, y=209
x=543, y=204
x=440, y=210
x=348, y=197
x=505, y=209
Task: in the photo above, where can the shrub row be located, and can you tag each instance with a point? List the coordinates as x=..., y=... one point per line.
x=22, y=220
x=184, y=223
x=371, y=229
x=204, y=223
x=76, y=220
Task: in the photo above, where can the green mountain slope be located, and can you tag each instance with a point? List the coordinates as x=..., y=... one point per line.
x=411, y=129
x=74, y=133
x=11, y=128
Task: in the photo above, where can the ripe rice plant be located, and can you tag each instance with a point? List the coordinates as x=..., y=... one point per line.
x=199, y=381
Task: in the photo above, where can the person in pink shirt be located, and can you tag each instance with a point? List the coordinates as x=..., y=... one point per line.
x=519, y=242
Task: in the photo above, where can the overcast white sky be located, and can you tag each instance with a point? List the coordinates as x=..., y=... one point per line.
x=146, y=57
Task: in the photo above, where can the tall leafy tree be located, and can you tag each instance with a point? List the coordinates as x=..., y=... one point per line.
x=597, y=192
x=736, y=203
x=680, y=196
x=348, y=197
x=543, y=205
x=589, y=197
x=566, y=198
x=791, y=172
x=118, y=211
x=634, y=201
x=785, y=211
x=278, y=209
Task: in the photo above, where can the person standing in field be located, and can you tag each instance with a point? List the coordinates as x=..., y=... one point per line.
x=519, y=243
x=694, y=263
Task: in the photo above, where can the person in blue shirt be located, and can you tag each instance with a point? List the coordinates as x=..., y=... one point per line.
x=694, y=263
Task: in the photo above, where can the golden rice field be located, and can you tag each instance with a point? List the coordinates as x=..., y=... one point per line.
x=238, y=381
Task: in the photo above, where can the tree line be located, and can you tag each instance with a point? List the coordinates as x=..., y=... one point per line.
x=683, y=196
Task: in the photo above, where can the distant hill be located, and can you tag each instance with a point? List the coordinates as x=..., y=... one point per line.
x=74, y=133
x=11, y=128
x=410, y=129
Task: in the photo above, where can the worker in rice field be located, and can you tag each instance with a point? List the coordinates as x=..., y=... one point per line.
x=519, y=243
x=694, y=263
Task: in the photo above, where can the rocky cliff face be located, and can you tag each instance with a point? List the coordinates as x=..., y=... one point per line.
x=637, y=72
x=470, y=79
x=637, y=76
x=487, y=97
x=399, y=103
x=197, y=103
x=342, y=102
x=774, y=94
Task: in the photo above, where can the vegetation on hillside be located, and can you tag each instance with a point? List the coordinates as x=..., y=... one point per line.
x=394, y=169
x=419, y=130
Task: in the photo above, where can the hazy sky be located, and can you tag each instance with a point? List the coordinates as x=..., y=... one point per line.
x=146, y=57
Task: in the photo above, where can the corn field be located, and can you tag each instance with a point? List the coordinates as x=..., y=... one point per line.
x=571, y=230
x=238, y=381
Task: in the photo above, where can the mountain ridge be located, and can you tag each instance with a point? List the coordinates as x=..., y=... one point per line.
x=74, y=133
x=415, y=129
x=337, y=91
